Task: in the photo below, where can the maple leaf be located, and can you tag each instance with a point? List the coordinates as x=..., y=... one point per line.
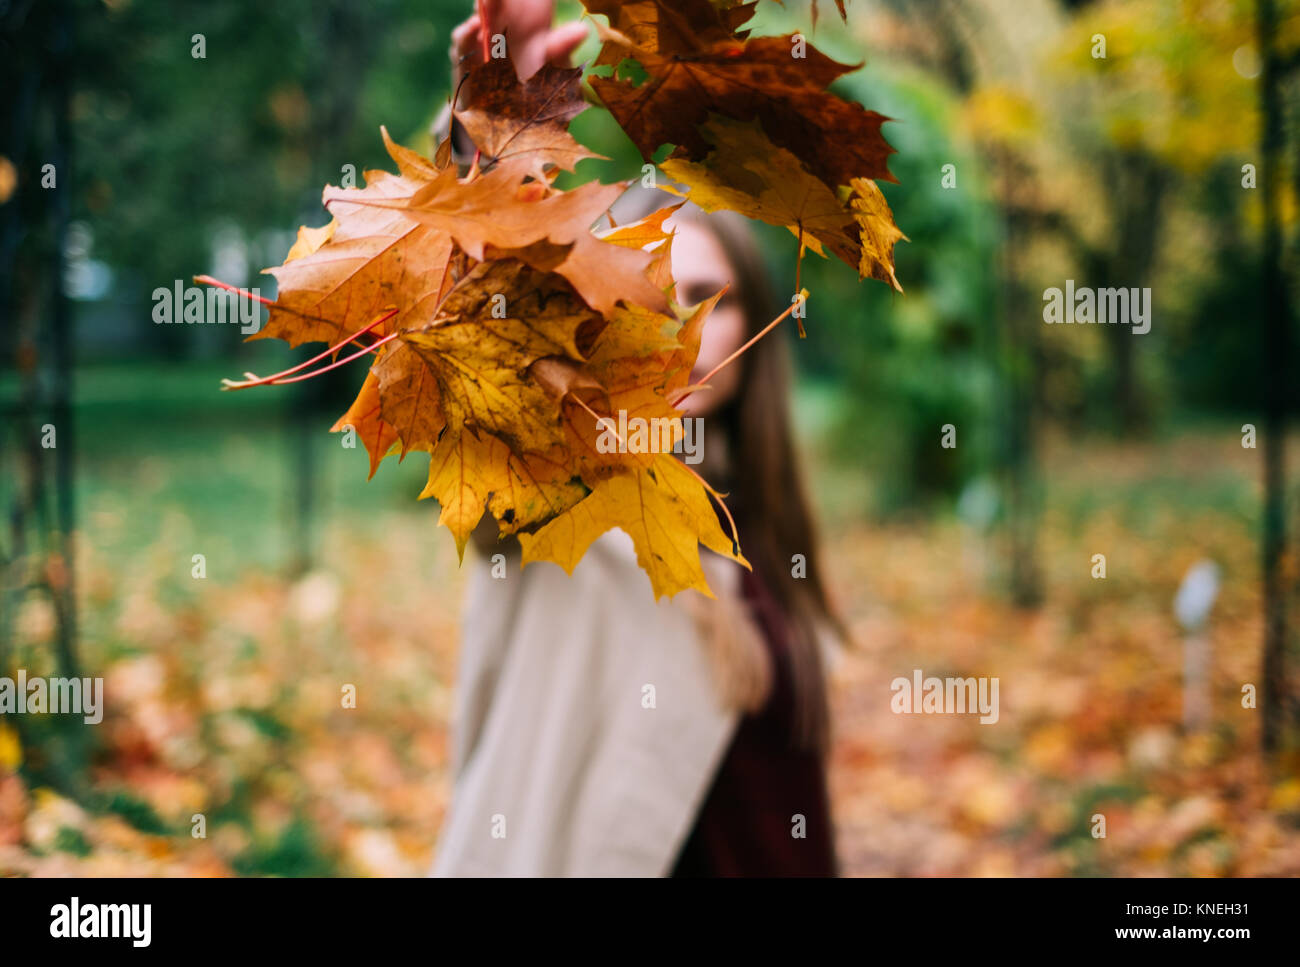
x=664, y=508
x=499, y=209
x=365, y=418
x=473, y=358
x=483, y=384
x=877, y=232
x=745, y=172
x=637, y=358
x=671, y=28
x=704, y=67
x=508, y=119
x=648, y=234
x=508, y=332
x=339, y=277
x=470, y=471
x=634, y=367
x=640, y=361
x=409, y=395
x=648, y=231
x=310, y=239
x=839, y=5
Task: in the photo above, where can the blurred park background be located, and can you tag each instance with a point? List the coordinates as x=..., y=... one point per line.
x=1173, y=161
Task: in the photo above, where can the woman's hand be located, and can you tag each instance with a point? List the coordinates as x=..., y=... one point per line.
x=527, y=26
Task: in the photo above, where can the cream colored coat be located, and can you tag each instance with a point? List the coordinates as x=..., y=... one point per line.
x=589, y=720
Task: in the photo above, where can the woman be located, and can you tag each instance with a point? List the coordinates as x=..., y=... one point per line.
x=597, y=732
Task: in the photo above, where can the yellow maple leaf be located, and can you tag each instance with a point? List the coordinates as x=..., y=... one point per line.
x=367, y=421
x=664, y=508
x=499, y=320
x=11, y=750
x=470, y=471
x=747, y=173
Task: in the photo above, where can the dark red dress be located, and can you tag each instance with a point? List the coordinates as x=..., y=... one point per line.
x=747, y=823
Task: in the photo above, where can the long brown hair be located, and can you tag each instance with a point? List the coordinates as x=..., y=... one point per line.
x=765, y=490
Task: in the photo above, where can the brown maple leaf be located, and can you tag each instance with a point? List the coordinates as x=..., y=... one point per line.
x=364, y=417
x=508, y=119
x=695, y=72
x=672, y=27
x=340, y=277
x=499, y=209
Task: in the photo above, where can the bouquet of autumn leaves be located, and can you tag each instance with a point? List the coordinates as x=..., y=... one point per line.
x=505, y=335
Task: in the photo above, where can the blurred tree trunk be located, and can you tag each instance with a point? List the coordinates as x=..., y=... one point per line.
x=347, y=39
x=61, y=350
x=1019, y=362
x=1139, y=183
x=36, y=132
x=1275, y=700
x=38, y=556
x=1015, y=338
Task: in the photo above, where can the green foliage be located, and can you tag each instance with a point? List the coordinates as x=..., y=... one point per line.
x=171, y=149
x=296, y=851
x=135, y=811
x=910, y=364
x=69, y=840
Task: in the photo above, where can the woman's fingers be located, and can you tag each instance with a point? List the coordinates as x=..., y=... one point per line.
x=526, y=23
x=549, y=47
x=524, y=18
x=563, y=41
x=464, y=38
